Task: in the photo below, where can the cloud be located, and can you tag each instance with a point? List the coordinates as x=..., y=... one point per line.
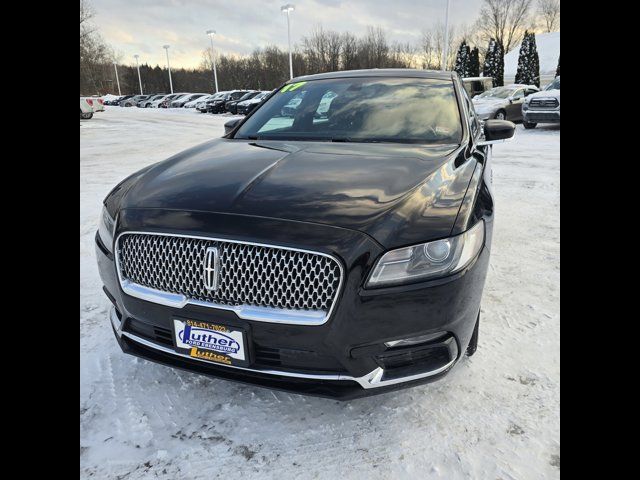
x=143, y=26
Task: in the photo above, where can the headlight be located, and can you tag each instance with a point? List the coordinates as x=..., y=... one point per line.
x=428, y=260
x=106, y=228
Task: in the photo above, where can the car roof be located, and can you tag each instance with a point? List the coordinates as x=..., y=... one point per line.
x=379, y=72
x=471, y=79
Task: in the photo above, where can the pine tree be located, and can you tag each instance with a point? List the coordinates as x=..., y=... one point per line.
x=558, y=69
x=522, y=74
x=489, y=65
x=474, y=63
x=499, y=78
x=534, y=61
x=528, y=61
x=494, y=63
x=463, y=58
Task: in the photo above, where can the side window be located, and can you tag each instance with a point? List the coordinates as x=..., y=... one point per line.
x=518, y=94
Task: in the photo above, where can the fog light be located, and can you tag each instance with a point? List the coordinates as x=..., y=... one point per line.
x=414, y=340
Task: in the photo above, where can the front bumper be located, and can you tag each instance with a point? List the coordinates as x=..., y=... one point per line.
x=343, y=358
x=342, y=386
x=541, y=116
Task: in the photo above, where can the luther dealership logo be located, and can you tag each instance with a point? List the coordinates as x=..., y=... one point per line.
x=209, y=339
x=211, y=269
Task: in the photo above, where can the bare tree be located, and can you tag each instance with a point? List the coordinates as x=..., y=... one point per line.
x=322, y=50
x=95, y=56
x=549, y=10
x=349, y=51
x=504, y=20
x=86, y=14
x=433, y=46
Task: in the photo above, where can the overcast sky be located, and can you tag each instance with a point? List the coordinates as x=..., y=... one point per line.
x=143, y=26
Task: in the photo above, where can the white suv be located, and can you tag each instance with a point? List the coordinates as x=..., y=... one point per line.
x=542, y=107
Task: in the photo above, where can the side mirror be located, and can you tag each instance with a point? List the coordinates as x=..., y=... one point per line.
x=497, y=131
x=230, y=125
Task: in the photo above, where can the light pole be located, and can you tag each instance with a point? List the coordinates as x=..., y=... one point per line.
x=288, y=8
x=211, y=33
x=138, y=67
x=166, y=47
x=115, y=65
x=445, y=53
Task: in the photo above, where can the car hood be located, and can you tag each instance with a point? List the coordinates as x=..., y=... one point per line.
x=545, y=94
x=488, y=102
x=397, y=194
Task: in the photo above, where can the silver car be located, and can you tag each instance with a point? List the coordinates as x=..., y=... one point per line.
x=503, y=103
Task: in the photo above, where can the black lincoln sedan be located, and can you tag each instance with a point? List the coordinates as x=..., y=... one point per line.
x=339, y=255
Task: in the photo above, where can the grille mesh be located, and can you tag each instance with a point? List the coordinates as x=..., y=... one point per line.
x=249, y=274
x=543, y=103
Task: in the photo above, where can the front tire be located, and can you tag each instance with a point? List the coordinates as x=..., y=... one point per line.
x=86, y=116
x=501, y=115
x=473, y=343
x=529, y=125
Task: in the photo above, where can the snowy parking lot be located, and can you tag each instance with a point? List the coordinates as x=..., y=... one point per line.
x=495, y=416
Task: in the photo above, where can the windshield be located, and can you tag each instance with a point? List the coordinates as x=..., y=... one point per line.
x=497, y=92
x=378, y=109
x=555, y=85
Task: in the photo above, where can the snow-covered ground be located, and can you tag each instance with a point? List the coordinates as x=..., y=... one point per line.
x=495, y=416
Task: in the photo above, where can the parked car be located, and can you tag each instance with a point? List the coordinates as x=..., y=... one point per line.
x=339, y=257
x=120, y=99
x=133, y=101
x=198, y=102
x=477, y=85
x=180, y=101
x=146, y=103
x=231, y=105
x=217, y=106
x=166, y=102
x=178, y=98
x=112, y=99
x=543, y=107
x=86, y=108
x=164, y=99
x=194, y=103
x=503, y=103
x=203, y=106
x=246, y=106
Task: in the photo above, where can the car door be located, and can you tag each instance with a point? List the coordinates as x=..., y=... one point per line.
x=514, y=109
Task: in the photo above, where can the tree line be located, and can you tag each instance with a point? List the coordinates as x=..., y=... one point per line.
x=501, y=25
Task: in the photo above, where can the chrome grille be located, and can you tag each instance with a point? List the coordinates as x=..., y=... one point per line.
x=543, y=103
x=249, y=275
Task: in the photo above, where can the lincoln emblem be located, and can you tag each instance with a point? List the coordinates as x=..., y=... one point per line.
x=211, y=269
